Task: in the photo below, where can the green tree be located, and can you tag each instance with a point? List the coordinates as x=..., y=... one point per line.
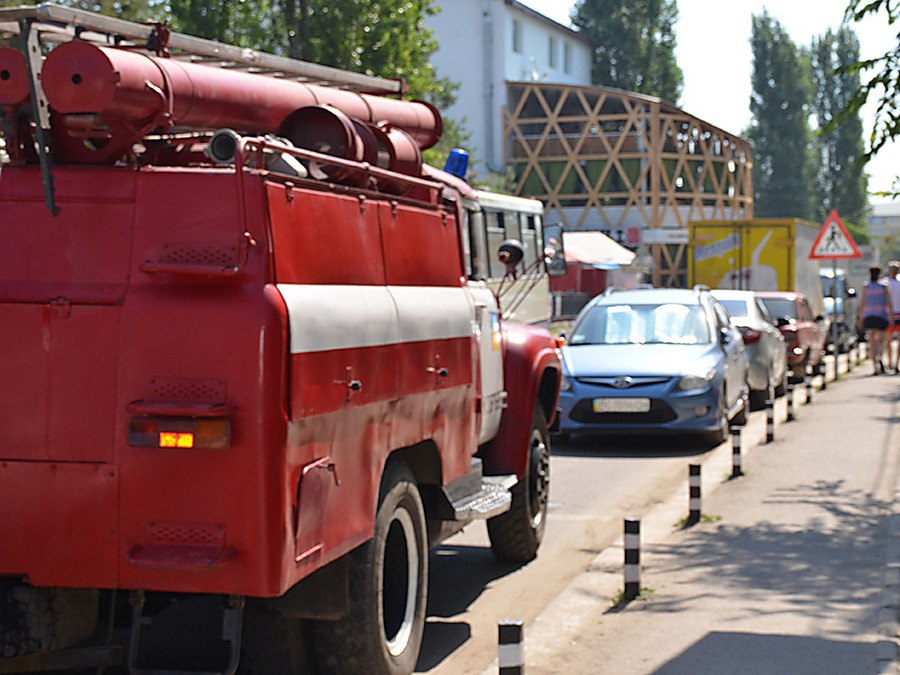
x=840, y=148
x=635, y=45
x=783, y=169
x=386, y=38
x=881, y=83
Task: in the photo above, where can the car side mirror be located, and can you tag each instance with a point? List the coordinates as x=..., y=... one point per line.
x=724, y=336
x=782, y=321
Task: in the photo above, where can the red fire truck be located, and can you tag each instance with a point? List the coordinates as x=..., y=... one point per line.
x=250, y=370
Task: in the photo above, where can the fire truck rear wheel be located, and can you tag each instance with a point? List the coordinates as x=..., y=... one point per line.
x=388, y=587
x=36, y=620
x=517, y=534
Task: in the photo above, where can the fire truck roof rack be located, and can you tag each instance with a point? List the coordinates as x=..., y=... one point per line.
x=54, y=23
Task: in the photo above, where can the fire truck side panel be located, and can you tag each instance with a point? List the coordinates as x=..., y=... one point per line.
x=421, y=247
x=323, y=238
x=374, y=367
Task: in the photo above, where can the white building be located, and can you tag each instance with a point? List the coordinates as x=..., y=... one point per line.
x=483, y=44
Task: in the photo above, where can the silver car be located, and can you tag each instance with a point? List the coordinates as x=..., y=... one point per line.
x=763, y=341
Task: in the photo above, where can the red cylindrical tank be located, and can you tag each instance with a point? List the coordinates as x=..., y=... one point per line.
x=80, y=78
x=13, y=76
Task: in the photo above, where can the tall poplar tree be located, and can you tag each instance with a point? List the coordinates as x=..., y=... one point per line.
x=840, y=184
x=783, y=169
x=635, y=45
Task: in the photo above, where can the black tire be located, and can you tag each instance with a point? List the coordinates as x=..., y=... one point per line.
x=740, y=417
x=34, y=620
x=720, y=433
x=517, y=534
x=382, y=633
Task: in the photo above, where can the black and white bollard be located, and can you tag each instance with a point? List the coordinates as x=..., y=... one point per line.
x=809, y=388
x=770, y=417
x=736, y=451
x=509, y=648
x=632, y=542
x=693, y=494
x=822, y=369
x=790, y=403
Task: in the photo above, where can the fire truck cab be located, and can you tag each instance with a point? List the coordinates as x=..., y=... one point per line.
x=251, y=368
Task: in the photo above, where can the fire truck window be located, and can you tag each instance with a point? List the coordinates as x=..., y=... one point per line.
x=529, y=239
x=511, y=225
x=477, y=257
x=495, y=236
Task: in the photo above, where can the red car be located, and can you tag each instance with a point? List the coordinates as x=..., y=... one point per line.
x=804, y=334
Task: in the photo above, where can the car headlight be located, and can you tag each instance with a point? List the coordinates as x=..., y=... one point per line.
x=692, y=382
x=564, y=384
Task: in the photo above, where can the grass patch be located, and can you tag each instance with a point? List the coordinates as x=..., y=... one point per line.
x=619, y=600
x=704, y=518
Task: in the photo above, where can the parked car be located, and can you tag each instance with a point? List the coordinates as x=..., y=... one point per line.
x=766, y=351
x=804, y=334
x=840, y=306
x=653, y=360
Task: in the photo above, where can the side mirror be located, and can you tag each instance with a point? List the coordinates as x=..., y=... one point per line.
x=554, y=254
x=851, y=292
x=724, y=336
x=782, y=321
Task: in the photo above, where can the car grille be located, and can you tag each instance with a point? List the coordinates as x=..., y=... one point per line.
x=619, y=381
x=660, y=413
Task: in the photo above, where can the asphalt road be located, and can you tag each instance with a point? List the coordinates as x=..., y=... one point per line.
x=594, y=486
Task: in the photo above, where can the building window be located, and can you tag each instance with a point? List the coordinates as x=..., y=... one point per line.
x=551, y=51
x=517, y=36
x=567, y=57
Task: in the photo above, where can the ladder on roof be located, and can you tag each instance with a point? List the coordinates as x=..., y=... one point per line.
x=53, y=23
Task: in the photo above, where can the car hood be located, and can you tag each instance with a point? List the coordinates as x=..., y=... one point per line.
x=606, y=360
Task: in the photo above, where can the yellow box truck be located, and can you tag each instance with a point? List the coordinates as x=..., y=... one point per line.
x=762, y=254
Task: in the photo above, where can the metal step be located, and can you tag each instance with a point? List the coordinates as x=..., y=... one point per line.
x=490, y=499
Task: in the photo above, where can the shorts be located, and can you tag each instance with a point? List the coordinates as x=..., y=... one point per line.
x=875, y=323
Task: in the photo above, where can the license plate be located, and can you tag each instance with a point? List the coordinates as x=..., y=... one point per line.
x=619, y=405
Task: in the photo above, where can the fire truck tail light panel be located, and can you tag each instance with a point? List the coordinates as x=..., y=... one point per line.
x=179, y=433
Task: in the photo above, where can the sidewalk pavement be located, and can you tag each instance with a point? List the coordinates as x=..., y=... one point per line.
x=794, y=567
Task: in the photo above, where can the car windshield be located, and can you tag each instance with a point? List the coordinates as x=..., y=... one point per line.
x=735, y=307
x=669, y=323
x=781, y=307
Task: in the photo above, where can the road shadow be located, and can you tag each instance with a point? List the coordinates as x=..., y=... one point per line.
x=752, y=653
x=458, y=575
x=628, y=446
x=830, y=564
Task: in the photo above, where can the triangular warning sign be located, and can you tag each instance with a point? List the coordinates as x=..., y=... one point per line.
x=834, y=241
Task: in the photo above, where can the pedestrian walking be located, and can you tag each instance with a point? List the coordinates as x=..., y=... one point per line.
x=892, y=344
x=875, y=315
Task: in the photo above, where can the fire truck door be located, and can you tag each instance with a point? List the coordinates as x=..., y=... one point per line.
x=493, y=397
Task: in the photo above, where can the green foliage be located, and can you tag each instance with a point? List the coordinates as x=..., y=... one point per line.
x=635, y=45
x=880, y=80
x=783, y=168
x=840, y=184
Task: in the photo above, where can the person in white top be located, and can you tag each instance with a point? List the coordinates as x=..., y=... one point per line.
x=893, y=342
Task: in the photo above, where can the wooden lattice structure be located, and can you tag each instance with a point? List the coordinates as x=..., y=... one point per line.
x=623, y=163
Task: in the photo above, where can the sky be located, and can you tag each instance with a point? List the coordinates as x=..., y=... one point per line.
x=714, y=53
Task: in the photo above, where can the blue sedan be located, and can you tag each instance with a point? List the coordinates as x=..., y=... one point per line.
x=653, y=360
